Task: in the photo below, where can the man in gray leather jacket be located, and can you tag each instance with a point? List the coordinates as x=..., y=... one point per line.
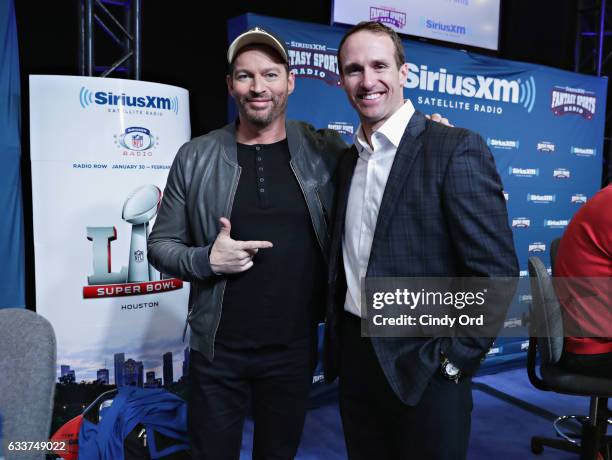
x=245, y=218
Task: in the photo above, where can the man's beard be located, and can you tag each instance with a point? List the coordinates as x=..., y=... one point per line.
x=262, y=118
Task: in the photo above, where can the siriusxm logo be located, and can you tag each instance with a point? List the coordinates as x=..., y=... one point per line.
x=583, y=152
x=342, y=127
x=506, y=196
x=545, y=146
x=477, y=86
x=558, y=223
x=525, y=298
x=502, y=144
x=523, y=172
x=87, y=98
x=579, y=198
x=443, y=27
x=523, y=273
x=521, y=222
x=541, y=198
x=561, y=173
x=537, y=247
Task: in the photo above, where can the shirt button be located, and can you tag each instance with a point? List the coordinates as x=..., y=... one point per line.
x=261, y=179
x=258, y=148
x=261, y=190
x=260, y=168
x=258, y=158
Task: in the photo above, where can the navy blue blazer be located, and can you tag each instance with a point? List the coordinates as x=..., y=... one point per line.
x=443, y=214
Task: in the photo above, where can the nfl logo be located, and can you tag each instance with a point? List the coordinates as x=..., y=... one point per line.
x=137, y=141
x=139, y=256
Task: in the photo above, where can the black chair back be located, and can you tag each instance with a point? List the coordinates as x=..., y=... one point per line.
x=546, y=315
x=554, y=247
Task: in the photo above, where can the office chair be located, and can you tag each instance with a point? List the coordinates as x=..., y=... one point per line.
x=554, y=248
x=546, y=340
x=27, y=377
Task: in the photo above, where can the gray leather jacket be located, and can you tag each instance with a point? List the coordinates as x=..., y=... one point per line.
x=201, y=188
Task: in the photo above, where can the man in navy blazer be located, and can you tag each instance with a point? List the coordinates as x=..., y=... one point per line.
x=415, y=199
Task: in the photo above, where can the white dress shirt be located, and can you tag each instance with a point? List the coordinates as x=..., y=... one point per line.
x=367, y=188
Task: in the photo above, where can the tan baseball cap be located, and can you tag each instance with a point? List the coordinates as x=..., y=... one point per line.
x=256, y=36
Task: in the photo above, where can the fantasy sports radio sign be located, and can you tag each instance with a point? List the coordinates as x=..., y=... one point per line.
x=578, y=101
x=313, y=60
x=139, y=277
x=389, y=16
x=578, y=198
x=342, y=128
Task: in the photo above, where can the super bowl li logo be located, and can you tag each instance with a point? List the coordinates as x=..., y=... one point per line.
x=139, y=277
x=136, y=141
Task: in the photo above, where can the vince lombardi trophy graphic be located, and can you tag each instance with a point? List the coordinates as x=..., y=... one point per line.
x=139, y=208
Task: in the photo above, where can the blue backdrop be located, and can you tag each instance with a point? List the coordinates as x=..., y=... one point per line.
x=12, y=281
x=544, y=127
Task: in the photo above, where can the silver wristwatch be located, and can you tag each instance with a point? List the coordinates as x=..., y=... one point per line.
x=449, y=370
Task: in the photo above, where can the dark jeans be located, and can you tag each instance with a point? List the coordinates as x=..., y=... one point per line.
x=275, y=380
x=377, y=425
x=595, y=365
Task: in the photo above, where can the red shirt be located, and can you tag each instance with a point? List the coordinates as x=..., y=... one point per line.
x=585, y=251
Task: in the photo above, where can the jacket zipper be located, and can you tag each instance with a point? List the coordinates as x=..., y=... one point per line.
x=325, y=216
x=187, y=321
x=228, y=212
x=297, y=177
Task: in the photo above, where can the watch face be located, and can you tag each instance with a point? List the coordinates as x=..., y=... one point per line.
x=451, y=370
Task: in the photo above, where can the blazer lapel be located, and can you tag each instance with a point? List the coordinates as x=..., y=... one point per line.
x=407, y=151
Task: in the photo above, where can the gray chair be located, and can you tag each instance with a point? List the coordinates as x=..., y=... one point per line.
x=27, y=378
x=546, y=341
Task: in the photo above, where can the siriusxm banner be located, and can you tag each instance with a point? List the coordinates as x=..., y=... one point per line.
x=101, y=149
x=544, y=126
x=12, y=282
x=460, y=21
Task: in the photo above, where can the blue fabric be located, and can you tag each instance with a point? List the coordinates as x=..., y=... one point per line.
x=500, y=431
x=12, y=281
x=157, y=410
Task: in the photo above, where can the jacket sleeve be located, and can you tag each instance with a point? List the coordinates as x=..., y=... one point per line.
x=170, y=246
x=477, y=218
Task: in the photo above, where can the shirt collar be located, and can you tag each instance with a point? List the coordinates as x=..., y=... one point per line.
x=392, y=129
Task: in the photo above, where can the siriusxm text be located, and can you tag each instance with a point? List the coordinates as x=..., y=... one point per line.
x=149, y=102
x=479, y=86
